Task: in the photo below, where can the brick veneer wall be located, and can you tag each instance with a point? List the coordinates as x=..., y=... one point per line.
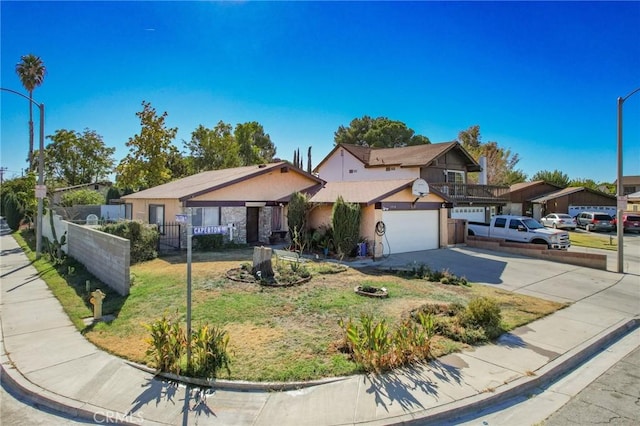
x=104, y=255
x=590, y=260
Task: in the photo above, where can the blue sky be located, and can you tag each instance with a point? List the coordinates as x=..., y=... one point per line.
x=540, y=78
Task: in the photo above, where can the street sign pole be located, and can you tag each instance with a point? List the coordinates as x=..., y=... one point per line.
x=189, y=235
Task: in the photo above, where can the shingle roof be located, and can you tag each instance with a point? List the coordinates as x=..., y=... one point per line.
x=406, y=156
x=567, y=191
x=361, y=192
x=197, y=184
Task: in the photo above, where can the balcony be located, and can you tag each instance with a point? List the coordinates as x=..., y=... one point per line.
x=470, y=193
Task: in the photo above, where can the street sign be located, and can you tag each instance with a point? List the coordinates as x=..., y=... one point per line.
x=622, y=202
x=182, y=218
x=208, y=230
x=41, y=191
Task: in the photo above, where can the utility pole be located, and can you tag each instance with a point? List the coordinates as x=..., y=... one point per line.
x=2, y=170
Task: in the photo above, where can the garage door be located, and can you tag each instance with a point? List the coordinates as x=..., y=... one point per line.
x=410, y=231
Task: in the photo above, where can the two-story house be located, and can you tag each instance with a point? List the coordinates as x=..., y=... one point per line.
x=381, y=180
x=444, y=166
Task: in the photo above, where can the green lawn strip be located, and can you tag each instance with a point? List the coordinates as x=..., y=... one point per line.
x=593, y=241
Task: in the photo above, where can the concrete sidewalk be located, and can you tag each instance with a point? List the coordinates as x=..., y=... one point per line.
x=45, y=358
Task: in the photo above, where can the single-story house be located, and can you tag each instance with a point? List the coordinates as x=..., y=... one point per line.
x=521, y=194
x=393, y=219
x=247, y=204
x=574, y=200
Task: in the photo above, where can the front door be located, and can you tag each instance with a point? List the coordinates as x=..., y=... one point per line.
x=253, y=213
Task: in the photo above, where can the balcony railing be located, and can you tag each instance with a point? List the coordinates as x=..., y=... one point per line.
x=463, y=192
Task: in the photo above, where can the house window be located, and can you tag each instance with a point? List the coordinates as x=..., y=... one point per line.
x=455, y=176
x=351, y=171
x=156, y=216
x=389, y=169
x=206, y=216
x=128, y=211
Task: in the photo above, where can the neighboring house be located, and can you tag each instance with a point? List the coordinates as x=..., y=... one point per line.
x=574, y=200
x=393, y=220
x=444, y=166
x=633, y=202
x=101, y=187
x=250, y=200
x=521, y=194
x=630, y=184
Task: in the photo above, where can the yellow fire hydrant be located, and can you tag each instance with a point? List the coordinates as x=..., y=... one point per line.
x=96, y=300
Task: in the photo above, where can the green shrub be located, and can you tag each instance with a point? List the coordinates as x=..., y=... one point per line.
x=209, y=351
x=167, y=342
x=484, y=313
x=208, y=242
x=85, y=197
x=345, y=222
x=143, y=238
x=167, y=348
x=13, y=211
x=374, y=347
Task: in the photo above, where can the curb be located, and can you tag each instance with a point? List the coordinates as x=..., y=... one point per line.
x=544, y=375
x=14, y=380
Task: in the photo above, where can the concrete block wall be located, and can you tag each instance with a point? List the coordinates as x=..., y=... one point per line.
x=589, y=260
x=104, y=255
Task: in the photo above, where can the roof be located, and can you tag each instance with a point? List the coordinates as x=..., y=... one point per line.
x=83, y=185
x=406, y=156
x=523, y=185
x=568, y=191
x=361, y=192
x=629, y=180
x=208, y=181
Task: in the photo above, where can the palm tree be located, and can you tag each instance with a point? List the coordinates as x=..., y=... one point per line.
x=31, y=72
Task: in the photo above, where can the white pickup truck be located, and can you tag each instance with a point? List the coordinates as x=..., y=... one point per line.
x=520, y=229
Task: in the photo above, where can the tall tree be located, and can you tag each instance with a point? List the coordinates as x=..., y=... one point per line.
x=379, y=132
x=255, y=145
x=75, y=158
x=146, y=165
x=500, y=162
x=309, y=160
x=556, y=177
x=587, y=183
x=213, y=149
x=31, y=71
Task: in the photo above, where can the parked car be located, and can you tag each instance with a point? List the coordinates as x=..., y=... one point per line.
x=630, y=222
x=520, y=229
x=559, y=221
x=593, y=221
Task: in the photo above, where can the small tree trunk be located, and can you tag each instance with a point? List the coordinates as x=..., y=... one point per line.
x=262, y=267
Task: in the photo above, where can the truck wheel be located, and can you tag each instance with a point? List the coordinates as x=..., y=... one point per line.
x=541, y=242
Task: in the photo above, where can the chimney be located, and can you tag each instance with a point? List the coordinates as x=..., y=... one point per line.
x=483, y=173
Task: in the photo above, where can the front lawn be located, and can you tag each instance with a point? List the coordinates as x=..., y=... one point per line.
x=278, y=333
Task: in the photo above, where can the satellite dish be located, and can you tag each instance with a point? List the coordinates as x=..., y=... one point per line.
x=420, y=188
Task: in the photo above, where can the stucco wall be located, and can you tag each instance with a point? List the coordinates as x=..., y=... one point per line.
x=104, y=255
x=348, y=168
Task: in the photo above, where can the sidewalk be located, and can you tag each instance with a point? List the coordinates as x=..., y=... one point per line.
x=46, y=358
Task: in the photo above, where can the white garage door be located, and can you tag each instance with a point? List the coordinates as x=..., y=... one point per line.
x=472, y=214
x=410, y=230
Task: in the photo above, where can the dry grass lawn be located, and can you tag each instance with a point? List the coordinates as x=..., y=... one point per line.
x=287, y=333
